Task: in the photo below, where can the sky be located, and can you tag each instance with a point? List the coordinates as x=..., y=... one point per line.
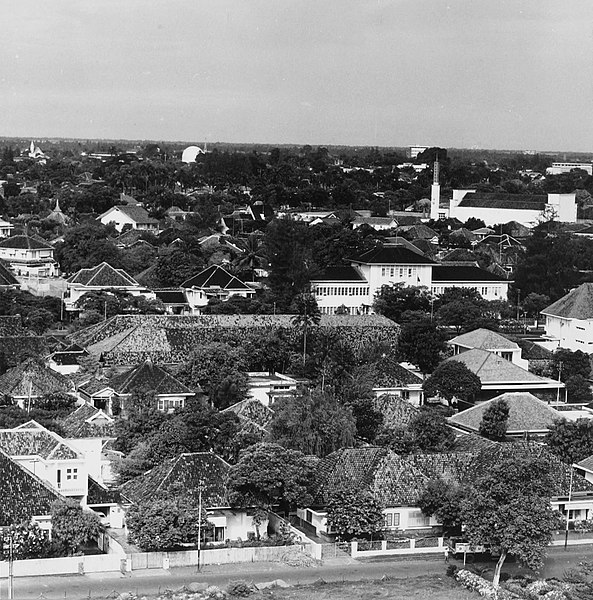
x=505, y=74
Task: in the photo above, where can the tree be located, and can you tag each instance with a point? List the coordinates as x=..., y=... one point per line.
x=40, y=320
x=166, y=523
x=307, y=316
x=312, y=422
x=72, y=526
x=494, y=420
x=453, y=381
x=28, y=541
x=578, y=390
x=253, y=254
x=572, y=441
x=392, y=301
x=507, y=509
x=354, y=513
x=368, y=419
x=422, y=343
x=443, y=500
x=430, y=430
x=58, y=402
x=534, y=303
x=220, y=370
x=268, y=475
x=566, y=364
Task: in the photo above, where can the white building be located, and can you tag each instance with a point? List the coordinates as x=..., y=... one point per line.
x=558, y=168
x=266, y=387
x=29, y=256
x=569, y=321
x=124, y=214
x=5, y=228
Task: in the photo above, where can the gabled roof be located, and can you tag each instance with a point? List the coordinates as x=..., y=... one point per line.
x=33, y=378
x=396, y=411
x=98, y=494
x=136, y=213
x=6, y=276
x=339, y=274
x=215, y=276
x=527, y=414
x=484, y=339
x=504, y=200
x=148, y=376
x=419, y=231
x=87, y=421
x=389, y=373
x=183, y=472
x=443, y=273
x=36, y=442
x=103, y=275
x=577, y=304
x=379, y=221
x=392, y=254
x=24, y=495
x=171, y=296
x=25, y=242
x=464, y=233
x=252, y=410
x=491, y=368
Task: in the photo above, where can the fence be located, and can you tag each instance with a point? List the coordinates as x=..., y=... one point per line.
x=398, y=547
x=69, y=565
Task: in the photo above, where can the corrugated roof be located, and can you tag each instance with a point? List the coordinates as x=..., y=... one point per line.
x=504, y=200
x=526, y=414
x=444, y=273
x=484, y=339
x=577, y=304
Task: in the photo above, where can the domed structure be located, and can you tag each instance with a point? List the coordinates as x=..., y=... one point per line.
x=190, y=153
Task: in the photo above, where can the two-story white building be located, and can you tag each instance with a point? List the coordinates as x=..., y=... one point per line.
x=29, y=256
x=569, y=321
x=354, y=287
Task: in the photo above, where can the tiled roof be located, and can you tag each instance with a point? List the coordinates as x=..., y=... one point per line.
x=6, y=276
x=339, y=274
x=381, y=221
x=491, y=368
x=533, y=351
x=98, y=494
x=396, y=411
x=464, y=233
x=25, y=242
x=426, y=247
x=419, y=231
x=526, y=414
x=253, y=410
x=577, y=304
x=443, y=273
x=87, y=421
x=33, y=378
x=136, y=213
x=148, y=376
x=389, y=373
x=183, y=472
x=504, y=200
x=36, y=442
x=103, y=275
x=587, y=463
x=484, y=339
x=24, y=495
x=392, y=254
x=215, y=276
x=169, y=338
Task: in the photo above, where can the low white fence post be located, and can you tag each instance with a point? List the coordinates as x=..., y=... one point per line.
x=412, y=544
x=354, y=549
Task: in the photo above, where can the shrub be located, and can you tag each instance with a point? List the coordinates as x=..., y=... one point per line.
x=239, y=589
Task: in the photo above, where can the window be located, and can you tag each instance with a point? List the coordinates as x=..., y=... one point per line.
x=219, y=534
x=417, y=519
x=383, y=271
x=309, y=516
x=71, y=474
x=484, y=291
x=391, y=519
x=507, y=355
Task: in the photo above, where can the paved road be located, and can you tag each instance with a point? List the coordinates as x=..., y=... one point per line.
x=150, y=582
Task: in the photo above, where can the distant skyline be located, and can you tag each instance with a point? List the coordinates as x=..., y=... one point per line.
x=510, y=74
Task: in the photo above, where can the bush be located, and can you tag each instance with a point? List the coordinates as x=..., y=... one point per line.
x=451, y=570
x=240, y=589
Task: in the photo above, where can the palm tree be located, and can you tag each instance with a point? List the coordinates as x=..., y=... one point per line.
x=253, y=253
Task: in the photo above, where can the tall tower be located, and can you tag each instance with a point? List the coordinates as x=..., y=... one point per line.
x=435, y=192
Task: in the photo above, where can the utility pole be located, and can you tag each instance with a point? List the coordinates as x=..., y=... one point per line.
x=10, y=567
x=200, y=488
x=559, y=379
x=568, y=507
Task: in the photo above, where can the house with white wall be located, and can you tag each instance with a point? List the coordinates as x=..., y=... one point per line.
x=134, y=216
x=569, y=320
x=102, y=278
x=468, y=275
x=266, y=387
x=484, y=339
x=29, y=256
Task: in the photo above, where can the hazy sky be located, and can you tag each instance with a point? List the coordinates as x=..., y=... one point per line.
x=459, y=73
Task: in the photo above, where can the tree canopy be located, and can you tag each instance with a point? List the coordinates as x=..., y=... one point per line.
x=494, y=420
x=354, y=513
x=453, y=381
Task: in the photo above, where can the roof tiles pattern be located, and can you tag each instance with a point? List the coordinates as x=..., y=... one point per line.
x=103, y=275
x=577, y=304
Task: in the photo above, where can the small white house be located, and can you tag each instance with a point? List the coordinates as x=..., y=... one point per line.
x=124, y=214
